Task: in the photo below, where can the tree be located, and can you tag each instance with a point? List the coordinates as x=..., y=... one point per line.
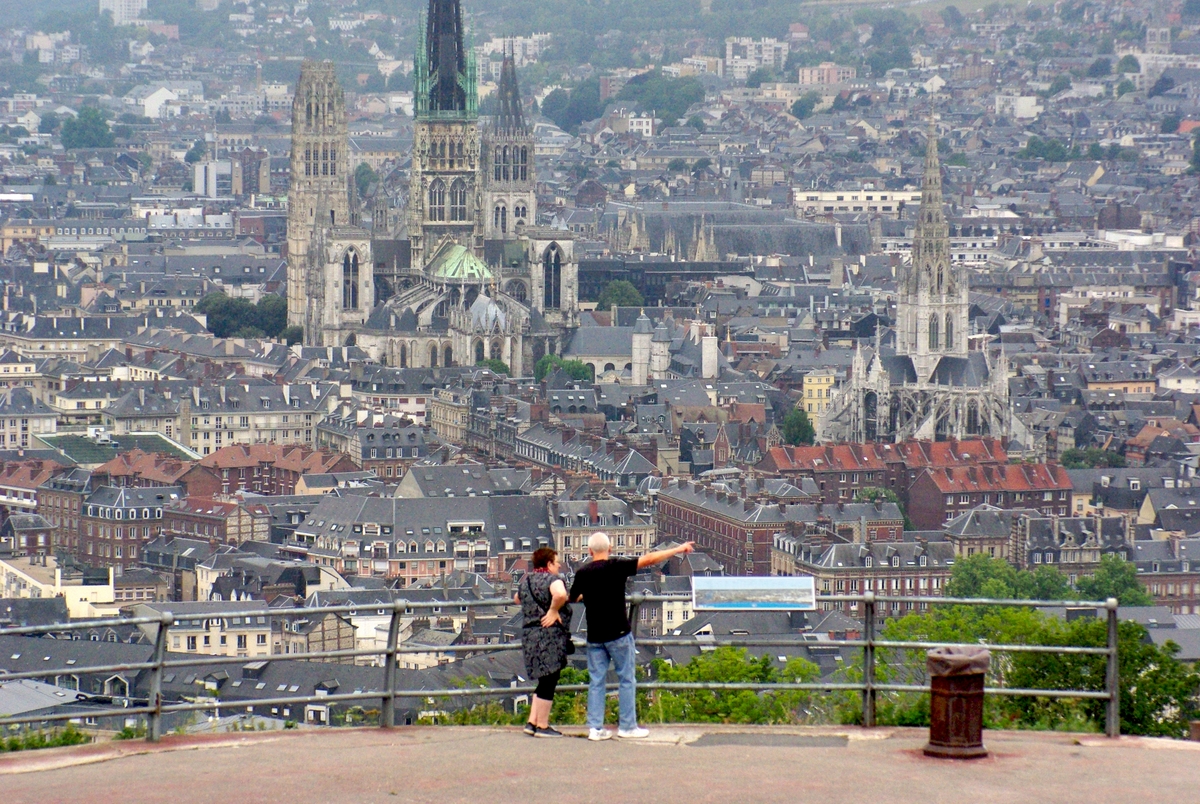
x=364, y=177
x=1162, y=86
x=1099, y=68
x=292, y=335
x=238, y=318
x=981, y=575
x=496, y=366
x=1091, y=458
x=196, y=152
x=804, y=107
x=798, y=429
x=958, y=160
x=1129, y=63
x=1115, y=577
x=953, y=18
x=763, y=75
x=677, y=165
x=49, y=123
x=669, y=98
x=1059, y=84
x=223, y=117
x=872, y=493
x=1125, y=87
x=619, y=293
x=576, y=369
x=697, y=122
x=88, y=129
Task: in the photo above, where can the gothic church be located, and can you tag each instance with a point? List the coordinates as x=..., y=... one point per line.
x=932, y=385
x=468, y=275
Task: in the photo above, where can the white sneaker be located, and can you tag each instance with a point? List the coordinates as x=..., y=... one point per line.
x=599, y=734
x=634, y=734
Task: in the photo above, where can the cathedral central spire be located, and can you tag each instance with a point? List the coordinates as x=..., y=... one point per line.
x=445, y=69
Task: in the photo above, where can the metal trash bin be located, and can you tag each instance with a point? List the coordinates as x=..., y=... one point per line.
x=956, y=702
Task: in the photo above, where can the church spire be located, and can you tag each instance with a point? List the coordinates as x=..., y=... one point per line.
x=445, y=80
x=509, y=118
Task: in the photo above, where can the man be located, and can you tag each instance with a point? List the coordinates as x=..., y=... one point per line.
x=600, y=584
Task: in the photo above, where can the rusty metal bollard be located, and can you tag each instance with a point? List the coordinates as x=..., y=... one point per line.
x=956, y=702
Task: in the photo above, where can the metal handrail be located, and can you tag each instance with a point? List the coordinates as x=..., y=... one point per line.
x=155, y=707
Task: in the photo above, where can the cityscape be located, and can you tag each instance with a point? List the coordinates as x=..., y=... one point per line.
x=318, y=318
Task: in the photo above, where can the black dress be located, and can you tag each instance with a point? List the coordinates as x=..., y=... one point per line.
x=545, y=649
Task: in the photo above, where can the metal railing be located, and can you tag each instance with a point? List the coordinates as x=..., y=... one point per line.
x=155, y=707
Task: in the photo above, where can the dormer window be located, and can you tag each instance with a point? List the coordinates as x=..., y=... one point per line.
x=895, y=561
x=923, y=561
x=1135, y=484
x=869, y=561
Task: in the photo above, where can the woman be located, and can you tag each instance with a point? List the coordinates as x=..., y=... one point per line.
x=545, y=636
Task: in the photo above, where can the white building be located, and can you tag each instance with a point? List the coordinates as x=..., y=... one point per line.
x=124, y=12
x=744, y=55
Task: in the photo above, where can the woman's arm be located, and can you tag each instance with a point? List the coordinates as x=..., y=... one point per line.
x=558, y=599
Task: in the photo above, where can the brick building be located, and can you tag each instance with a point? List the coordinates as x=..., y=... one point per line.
x=939, y=495
x=841, y=470
x=117, y=522
x=270, y=469
x=224, y=522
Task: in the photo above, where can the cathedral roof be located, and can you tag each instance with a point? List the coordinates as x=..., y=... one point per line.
x=486, y=315
x=962, y=372
x=661, y=334
x=642, y=326
x=452, y=261
x=899, y=368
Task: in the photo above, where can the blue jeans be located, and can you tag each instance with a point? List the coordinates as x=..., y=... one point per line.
x=620, y=653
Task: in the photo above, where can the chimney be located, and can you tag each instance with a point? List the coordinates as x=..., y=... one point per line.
x=593, y=512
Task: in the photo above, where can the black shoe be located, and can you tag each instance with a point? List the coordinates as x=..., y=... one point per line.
x=530, y=729
x=549, y=731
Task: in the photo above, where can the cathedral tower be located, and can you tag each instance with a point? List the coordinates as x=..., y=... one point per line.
x=932, y=304
x=444, y=197
x=319, y=193
x=329, y=256
x=510, y=198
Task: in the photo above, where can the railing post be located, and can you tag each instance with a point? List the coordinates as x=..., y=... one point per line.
x=154, y=732
x=1112, y=707
x=388, y=716
x=868, y=693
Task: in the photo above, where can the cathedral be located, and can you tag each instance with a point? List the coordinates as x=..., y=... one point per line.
x=468, y=275
x=932, y=385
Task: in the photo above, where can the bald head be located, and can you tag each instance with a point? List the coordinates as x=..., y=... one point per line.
x=599, y=545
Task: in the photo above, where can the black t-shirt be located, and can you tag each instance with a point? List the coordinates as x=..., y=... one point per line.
x=602, y=585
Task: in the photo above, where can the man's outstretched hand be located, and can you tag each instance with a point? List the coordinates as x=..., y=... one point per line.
x=687, y=547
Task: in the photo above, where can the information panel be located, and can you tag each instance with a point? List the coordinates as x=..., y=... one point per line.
x=742, y=594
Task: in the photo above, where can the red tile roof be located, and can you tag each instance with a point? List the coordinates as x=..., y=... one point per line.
x=1006, y=477
x=290, y=457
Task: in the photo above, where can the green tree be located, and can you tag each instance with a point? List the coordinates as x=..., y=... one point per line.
x=1059, y=84
x=88, y=129
x=619, y=293
x=677, y=165
x=953, y=18
x=670, y=98
x=1115, y=577
x=697, y=122
x=1157, y=691
x=1091, y=458
x=292, y=335
x=1099, y=68
x=1124, y=87
x=49, y=123
x=958, y=160
x=196, y=152
x=727, y=664
x=797, y=428
x=1162, y=86
x=270, y=315
x=576, y=369
x=763, y=75
x=873, y=493
x=223, y=117
x=364, y=177
x=1129, y=64
x=497, y=366
x=803, y=107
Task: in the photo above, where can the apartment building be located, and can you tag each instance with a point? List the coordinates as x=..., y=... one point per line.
x=244, y=413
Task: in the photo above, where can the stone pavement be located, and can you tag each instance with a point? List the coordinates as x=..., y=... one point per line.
x=678, y=764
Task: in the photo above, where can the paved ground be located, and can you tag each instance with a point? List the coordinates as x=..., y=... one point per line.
x=686, y=764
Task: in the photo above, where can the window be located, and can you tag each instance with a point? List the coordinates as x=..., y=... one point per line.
x=437, y=200
x=262, y=639
x=349, y=282
x=458, y=200
x=241, y=641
